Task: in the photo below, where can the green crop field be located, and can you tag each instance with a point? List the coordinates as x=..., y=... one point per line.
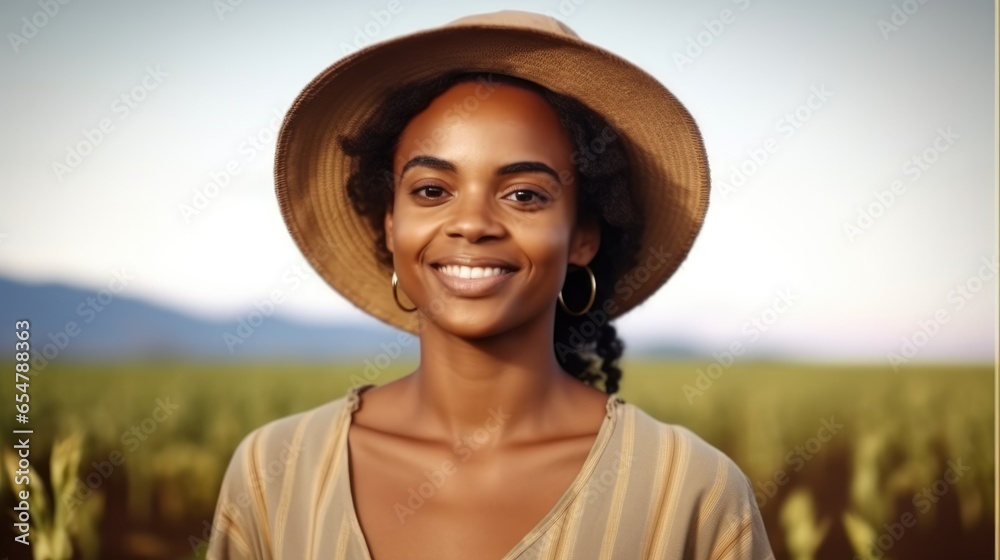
x=845, y=460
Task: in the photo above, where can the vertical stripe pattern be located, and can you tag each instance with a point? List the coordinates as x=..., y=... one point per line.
x=648, y=490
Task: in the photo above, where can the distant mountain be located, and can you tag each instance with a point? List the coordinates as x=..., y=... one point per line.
x=69, y=322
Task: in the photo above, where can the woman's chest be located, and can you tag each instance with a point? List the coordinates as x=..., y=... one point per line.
x=414, y=501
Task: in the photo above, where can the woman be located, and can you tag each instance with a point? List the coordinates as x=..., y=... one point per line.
x=509, y=224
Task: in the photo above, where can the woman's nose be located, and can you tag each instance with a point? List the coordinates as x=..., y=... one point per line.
x=474, y=216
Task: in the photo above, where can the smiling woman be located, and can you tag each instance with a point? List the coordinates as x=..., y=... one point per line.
x=493, y=202
x=512, y=156
x=474, y=221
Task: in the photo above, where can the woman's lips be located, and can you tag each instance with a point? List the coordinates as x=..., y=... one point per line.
x=474, y=287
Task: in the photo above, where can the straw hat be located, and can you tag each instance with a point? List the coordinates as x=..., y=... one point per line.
x=665, y=149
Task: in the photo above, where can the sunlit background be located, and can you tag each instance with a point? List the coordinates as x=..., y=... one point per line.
x=853, y=155
x=208, y=88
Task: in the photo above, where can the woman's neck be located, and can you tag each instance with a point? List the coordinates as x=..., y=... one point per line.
x=463, y=385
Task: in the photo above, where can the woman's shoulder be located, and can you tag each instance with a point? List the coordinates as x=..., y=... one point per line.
x=680, y=445
x=698, y=478
x=263, y=461
x=687, y=466
x=289, y=435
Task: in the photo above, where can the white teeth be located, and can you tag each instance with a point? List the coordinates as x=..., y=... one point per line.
x=471, y=271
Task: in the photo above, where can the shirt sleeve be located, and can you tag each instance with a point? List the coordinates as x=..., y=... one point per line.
x=737, y=523
x=726, y=523
x=236, y=533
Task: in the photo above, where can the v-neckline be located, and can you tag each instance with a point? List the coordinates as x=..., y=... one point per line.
x=352, y=401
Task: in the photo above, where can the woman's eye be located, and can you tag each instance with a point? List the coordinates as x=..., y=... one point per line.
x=430, y=191
x=527, y=196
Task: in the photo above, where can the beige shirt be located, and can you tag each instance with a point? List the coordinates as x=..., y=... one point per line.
x=647, y=490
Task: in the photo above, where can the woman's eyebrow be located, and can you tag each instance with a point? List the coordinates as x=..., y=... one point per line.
x=516, y=167
x=522, y=166
x=427, y=161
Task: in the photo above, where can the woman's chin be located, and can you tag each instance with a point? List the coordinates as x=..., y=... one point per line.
x=469, y=325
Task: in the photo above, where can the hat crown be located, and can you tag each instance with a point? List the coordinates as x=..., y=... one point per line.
x=516, y=18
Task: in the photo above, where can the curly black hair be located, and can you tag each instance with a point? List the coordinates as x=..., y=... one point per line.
x=582, y=344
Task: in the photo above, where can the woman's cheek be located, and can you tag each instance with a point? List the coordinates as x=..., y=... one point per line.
x=410, y=236
x=548, y=234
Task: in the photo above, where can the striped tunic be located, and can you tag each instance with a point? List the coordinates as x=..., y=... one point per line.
x=647, y=490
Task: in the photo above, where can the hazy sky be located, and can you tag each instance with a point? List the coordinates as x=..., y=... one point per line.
x=838, y=103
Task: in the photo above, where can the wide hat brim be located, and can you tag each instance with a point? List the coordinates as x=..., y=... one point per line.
x=664, y=146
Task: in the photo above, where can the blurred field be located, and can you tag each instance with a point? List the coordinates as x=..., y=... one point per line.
x=849, y=495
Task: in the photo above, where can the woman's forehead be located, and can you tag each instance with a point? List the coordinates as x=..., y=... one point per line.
x=469, y=124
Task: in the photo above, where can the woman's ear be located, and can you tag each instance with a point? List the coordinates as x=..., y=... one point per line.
x=585, y=242
x=388, y=228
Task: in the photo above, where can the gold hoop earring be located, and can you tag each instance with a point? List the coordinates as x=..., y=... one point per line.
x=395, y=296
x=593, y=295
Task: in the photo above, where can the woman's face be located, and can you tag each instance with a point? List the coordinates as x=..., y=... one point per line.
x=484, y=180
